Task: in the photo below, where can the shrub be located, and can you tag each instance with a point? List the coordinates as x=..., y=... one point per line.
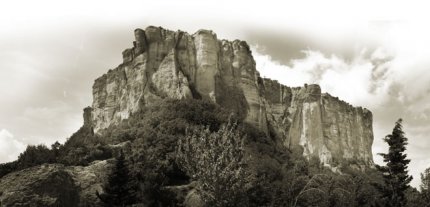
x=215, y=160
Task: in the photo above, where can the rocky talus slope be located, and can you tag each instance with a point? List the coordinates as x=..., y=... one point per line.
x=167, y=64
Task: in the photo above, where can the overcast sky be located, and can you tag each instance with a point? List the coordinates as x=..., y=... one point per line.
x=371, y=55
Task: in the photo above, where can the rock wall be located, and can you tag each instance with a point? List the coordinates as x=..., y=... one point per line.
x=166, y=64
x=322, y=125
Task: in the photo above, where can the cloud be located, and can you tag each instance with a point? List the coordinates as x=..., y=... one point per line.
x=10, y=148
x=50, y=123
x=46, y=77
x=391, y=80
x=353, y=81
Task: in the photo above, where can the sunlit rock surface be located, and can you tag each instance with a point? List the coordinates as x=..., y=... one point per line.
x=166, y=64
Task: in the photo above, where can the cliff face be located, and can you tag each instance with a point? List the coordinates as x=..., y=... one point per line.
x=166, y=64
x=324, y=126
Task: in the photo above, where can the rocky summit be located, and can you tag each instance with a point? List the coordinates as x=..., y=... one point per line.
x=177, y=65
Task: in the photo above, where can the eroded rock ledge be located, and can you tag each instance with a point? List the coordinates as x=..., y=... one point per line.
x=163, y=63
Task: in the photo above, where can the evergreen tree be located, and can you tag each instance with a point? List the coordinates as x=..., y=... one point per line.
x=395, y=171
x=119, y=191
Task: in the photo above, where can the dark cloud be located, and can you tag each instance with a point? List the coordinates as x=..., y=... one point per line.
x=282, y=47
x=286, y=45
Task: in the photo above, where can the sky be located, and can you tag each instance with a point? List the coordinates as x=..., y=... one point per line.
x=369, y=53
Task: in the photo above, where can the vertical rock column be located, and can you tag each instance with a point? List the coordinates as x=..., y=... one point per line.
x=140, y=44
x=206, y=44
x=250, y=83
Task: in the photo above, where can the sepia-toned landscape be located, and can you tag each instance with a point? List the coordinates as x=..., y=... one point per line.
x=102, y=110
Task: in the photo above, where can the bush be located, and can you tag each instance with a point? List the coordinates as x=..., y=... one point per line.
x=6, y=168
x=32, y=156
x=35, y=155
x=83, y=147
x=215, y=160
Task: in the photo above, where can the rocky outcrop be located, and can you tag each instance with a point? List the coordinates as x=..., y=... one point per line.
x=166, y=64
x=185, y=194
x=89, y=179
x=45, y=185
x=55, y=185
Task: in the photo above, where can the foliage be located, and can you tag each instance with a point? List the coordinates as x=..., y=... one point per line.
x=305, y=183
x=176, y=142
x=395, y=172
x=32, y=156
x=119, y=191
x=83, y=147
x=415, y=198
x=148, y=175
x=169, y=116
x=154, y=132
x=35, y=155
x=215, y=160
x=425, y=186
x=8, y=167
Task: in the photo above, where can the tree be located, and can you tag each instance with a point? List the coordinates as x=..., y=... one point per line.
x=35, y=155
x=119, y=191
x=395, y=171
x=55, y=148
x=425, y=185
x=415, y=198
x=147, y=171
x=215, y=160
x=8, y=167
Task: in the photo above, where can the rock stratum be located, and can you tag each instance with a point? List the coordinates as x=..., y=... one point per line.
x=167, y=64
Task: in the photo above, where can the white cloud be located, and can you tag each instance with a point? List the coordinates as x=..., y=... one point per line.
x=350, y=80
x=394, y=84
x=10, y=148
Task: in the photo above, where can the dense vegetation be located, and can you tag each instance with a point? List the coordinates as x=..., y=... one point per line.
x=200, y=146
x=425, y=186
x=119, y=191
x=220, y=167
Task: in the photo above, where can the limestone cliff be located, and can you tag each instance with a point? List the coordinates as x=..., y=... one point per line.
x=326, y=127
x=166, y=64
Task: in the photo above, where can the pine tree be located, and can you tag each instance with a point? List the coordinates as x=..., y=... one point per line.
x=118, y=191
x=395, y=171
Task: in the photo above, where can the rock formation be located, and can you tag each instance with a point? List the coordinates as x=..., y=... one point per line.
x=166, y=64
x=45, y=185
x=55, y=185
